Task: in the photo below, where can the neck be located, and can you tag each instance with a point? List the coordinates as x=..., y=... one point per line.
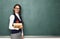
x=16, y=13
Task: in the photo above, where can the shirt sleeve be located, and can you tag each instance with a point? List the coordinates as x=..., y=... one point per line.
x=11, y=22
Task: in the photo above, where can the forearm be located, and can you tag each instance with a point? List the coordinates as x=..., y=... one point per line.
x=18, y=25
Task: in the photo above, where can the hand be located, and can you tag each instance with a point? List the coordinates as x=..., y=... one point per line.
x=16, y=26
x=22, y=37
x=20, y=27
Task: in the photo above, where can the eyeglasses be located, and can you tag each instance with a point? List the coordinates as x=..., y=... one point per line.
x=17, y=8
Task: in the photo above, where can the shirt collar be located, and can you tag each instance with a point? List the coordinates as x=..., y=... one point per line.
x=17, y=15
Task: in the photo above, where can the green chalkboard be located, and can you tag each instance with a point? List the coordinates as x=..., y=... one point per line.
x=40, y=17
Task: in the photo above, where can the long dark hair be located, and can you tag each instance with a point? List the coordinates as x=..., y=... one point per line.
x=19, y=8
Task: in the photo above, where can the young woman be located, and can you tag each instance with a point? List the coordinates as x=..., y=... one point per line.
x=16, y=29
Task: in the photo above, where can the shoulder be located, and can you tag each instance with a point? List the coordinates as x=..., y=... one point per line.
x=12, y=16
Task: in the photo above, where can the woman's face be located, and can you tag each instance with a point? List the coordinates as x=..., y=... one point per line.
x=17, y=9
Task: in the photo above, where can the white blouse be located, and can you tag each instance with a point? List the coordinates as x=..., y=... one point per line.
x=12, y=17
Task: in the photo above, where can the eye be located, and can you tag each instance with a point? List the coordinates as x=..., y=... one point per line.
x=17, y=8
